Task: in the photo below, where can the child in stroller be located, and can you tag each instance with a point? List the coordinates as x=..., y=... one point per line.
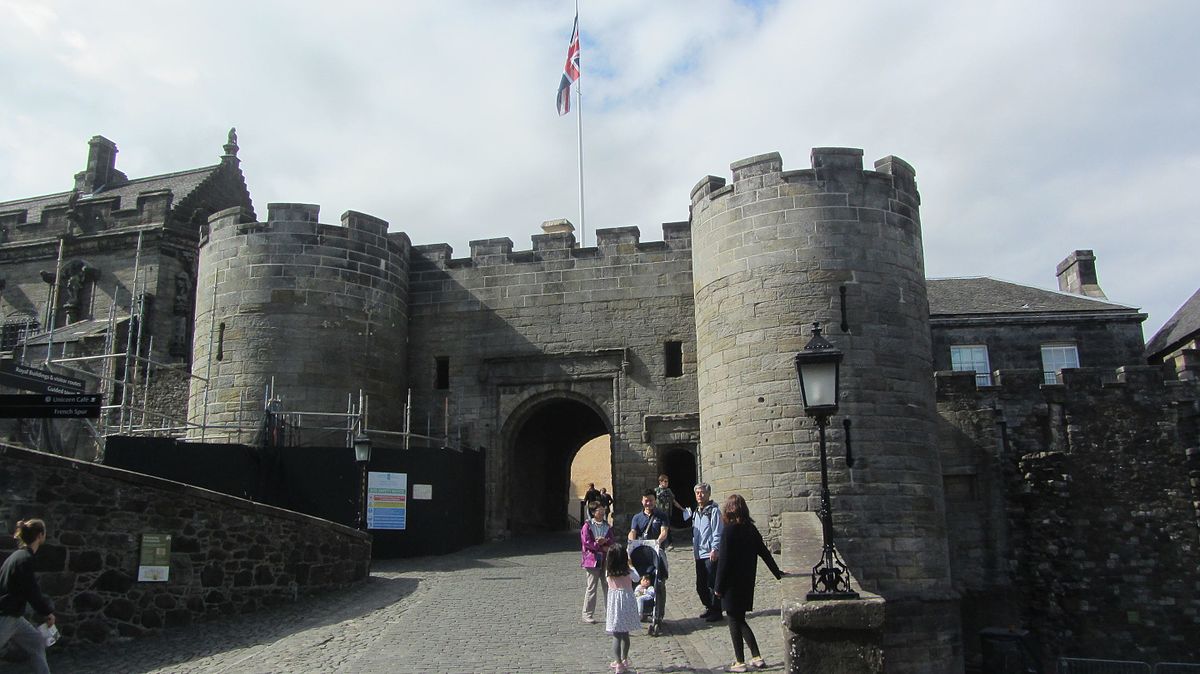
x=651, y=564
x=644, y=593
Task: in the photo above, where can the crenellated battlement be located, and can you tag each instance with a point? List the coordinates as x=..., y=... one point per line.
x=302, y=222
x=835, y=170
x=280, y=212
x=557, y=242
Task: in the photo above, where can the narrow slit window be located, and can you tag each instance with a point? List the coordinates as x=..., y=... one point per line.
x=221, y=342
x=673, y=359
x=442, y=373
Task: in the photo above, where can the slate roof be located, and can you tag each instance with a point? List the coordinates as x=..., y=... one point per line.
x=180, y=184
x=1180, y=327
x=989, y=296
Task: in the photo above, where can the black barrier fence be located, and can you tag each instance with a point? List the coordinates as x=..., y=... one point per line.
x=325, y=482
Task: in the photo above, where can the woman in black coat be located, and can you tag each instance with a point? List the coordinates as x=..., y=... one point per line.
x=737, y=562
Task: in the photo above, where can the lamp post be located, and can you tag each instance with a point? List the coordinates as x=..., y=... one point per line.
x=362, y=455
x=818, y=367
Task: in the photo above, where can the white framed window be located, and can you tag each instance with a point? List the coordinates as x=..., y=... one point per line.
x=972, y=358
x=1055, y=358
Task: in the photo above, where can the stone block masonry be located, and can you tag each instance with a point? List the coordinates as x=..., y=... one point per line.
x=772, y=253
x=516, y=327
x=320, y=310
x=228, y=555
x=1082, y=497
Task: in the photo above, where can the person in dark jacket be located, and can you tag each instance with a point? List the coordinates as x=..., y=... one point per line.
x=737, y=562
x=18, y=587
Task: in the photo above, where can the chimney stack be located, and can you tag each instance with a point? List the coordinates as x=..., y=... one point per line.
x=101, y=168
x=1077, y=275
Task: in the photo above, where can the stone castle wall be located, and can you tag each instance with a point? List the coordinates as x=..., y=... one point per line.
x=228, y=556
x=318, y=310
x=773, y=252
x=321, y=310
x=518, y=324
x=1076, y=509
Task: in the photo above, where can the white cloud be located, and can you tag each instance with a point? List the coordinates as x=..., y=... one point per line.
x=1035, y=128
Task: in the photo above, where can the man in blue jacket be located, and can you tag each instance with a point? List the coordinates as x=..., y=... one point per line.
x=706, y=537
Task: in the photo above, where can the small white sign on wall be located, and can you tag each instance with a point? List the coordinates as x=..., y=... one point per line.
x=422, y=492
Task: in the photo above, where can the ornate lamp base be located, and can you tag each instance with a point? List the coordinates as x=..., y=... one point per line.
x=831, y=578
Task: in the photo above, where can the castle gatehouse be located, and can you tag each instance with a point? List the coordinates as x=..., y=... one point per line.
x=198, y=319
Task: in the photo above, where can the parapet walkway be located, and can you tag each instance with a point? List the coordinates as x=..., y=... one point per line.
x=511, y=606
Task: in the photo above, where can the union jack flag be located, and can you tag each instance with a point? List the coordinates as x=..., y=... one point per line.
x=570, y=71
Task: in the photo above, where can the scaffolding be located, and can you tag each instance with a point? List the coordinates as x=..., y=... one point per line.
x=288, y=428
x=126, y=369
x=125, y=380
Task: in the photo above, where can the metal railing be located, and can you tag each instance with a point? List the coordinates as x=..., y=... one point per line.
x=1091, y=666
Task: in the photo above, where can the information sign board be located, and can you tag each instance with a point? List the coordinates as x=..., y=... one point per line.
x=155, y=563
x=45, y=406
x=28, y=378
x=387, y=500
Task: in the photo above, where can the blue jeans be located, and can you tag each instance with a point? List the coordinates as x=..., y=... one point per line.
x=26, y=636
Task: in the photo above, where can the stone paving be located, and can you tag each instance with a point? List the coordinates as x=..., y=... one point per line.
x=510, y=606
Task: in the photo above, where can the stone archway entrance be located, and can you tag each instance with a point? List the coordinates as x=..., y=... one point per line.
x=544, y=439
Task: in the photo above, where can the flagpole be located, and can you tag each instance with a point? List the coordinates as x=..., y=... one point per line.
x=579, y=133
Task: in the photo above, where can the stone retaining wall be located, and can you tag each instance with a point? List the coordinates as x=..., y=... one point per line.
x=228, y=555
x=1075, y=513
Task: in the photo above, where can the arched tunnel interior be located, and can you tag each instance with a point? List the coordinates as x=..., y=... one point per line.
x=540, y=462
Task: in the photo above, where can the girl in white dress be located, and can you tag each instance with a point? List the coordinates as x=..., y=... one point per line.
x=622, y=614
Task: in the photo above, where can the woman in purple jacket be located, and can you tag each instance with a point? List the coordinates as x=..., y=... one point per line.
x=19, y=587
x=595, y=539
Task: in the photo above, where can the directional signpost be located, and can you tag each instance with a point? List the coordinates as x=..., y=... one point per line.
x=28, y=378
x=40, y=406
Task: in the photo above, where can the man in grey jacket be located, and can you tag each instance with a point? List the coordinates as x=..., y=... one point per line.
x=706, y=537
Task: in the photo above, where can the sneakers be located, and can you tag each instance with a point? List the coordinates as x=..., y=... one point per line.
x=758, y=663
x=589, y=621
x=738, y=667
x=713, y=617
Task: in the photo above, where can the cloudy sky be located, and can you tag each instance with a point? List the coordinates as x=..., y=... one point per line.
x=1036, y=128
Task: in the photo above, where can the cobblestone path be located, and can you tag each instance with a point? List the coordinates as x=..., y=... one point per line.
x=511, y=606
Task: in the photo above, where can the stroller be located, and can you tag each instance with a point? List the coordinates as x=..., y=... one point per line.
x=650, y=562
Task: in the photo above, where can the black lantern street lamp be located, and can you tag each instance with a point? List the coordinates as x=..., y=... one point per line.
x=818, y=367
x=362, y=455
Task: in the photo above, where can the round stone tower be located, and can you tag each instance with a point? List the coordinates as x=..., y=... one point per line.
x=774, y=252
x=318, y=310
